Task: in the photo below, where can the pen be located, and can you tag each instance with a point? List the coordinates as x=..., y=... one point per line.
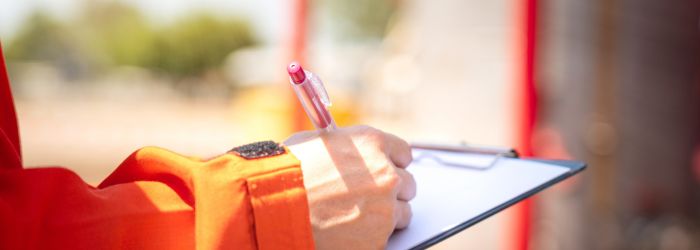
x=489, y=150
x=312, y=95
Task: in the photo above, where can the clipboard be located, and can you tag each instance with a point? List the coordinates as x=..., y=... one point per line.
x=459, y=186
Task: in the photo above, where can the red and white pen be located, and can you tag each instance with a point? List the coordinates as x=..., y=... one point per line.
x=312, y=95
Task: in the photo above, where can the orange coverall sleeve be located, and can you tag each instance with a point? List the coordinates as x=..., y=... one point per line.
x=154, y=200
x=157, y=199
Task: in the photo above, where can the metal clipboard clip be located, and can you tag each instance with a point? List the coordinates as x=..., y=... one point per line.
x=482, y=157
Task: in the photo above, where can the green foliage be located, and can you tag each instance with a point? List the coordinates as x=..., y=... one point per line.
x=41, y=38
x=110, y=33
x=197, y=43
x=118, y=33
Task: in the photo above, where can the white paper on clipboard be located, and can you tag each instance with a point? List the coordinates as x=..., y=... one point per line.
x=450, y=195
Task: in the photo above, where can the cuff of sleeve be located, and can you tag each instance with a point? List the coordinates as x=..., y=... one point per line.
x=281, y=210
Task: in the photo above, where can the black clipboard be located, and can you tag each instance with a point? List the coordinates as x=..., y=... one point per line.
x=500, y=156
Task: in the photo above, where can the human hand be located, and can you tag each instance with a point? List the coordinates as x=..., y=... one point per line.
x=357, y=186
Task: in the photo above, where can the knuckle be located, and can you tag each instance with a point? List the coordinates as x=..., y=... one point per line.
x=406, y=156
x=376, y=137
x=403, y=215
x=370, y=137
x=407, y=150
x=369, y=130
x=410, y=177
x=392, y=181
x=363, y=130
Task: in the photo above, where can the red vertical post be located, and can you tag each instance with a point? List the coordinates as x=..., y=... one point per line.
x=297, y=51
x=10, y=150
x=526, y=111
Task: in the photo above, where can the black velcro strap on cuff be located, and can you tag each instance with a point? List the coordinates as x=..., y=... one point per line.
x=257, y=150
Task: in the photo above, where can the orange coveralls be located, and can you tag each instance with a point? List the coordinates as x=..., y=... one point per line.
x=155, y=199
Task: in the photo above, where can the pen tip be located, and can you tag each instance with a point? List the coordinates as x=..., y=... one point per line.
x=296, y=72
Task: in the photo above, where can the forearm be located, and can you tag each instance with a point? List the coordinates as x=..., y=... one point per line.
x=157, y=199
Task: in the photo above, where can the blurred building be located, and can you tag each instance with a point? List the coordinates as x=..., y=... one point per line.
x=621, y=87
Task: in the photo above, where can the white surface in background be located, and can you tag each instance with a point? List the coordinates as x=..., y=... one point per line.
x=448, y=195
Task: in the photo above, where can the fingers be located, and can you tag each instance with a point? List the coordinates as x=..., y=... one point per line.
x=407, y=190
x=399, y=150
x=403, y=213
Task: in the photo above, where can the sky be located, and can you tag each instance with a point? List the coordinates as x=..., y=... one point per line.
x=268, y=17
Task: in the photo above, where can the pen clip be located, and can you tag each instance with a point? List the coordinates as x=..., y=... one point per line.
x=317, y=85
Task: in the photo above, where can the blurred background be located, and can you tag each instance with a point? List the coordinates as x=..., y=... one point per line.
x=614, y=83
